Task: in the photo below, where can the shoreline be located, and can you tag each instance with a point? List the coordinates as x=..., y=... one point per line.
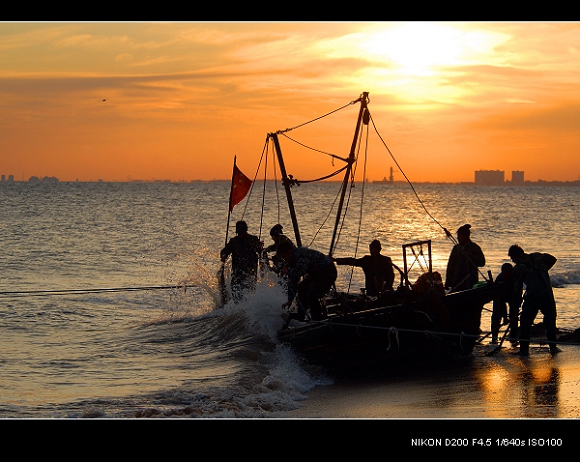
x=500, y=386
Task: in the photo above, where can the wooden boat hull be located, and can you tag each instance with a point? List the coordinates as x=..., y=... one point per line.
x=377, y=338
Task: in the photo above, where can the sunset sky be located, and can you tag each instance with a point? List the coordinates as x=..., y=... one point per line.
x=157, y=101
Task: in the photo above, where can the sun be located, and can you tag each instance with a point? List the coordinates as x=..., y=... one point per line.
x=420, y=61
x=416, y=48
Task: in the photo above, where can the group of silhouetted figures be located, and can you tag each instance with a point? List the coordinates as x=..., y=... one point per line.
x=309, y=275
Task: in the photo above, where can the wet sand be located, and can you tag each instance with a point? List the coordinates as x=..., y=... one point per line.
x=499, y=386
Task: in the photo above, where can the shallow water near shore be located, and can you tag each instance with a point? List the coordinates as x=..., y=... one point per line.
x=171, y=353
x=499, y=386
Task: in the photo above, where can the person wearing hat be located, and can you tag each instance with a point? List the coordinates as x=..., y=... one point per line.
x=245, y=250
x=278, y=237
x=377, y=268
x=466, y=256
x=532, y=270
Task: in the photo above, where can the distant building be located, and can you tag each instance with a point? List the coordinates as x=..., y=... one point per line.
x=391, y=179
x=489, y=177
x=46, y=179
x=517, y=177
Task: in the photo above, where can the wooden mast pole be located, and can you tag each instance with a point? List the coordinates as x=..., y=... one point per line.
x=351, y=158
x=286, y=183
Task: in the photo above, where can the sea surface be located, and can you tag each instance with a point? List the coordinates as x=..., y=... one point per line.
x=110, y=307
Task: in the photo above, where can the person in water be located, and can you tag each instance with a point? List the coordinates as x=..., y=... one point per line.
x=466, y=256
x=500, y=311
x=377, y=268
x=318, y=273
x=278, y=237
x=532, y=270
x=245, y=250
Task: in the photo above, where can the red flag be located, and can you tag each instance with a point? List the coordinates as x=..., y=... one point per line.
x=240, y=186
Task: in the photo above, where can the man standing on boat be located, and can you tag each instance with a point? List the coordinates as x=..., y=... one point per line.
x=532, y=270
x=465, y=258
x=319, y=275
x=245, y=250
x=378, y=269
x=278, y=237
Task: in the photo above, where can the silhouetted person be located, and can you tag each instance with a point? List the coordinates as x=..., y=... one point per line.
x=278, y=237
x=500, y=311
x=532, y=270
x=318, y=273
x=245, y=250
x=464, y=260
x=378, y=269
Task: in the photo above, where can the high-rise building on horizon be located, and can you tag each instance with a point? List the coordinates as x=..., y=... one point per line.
x=517, y=177
x=490, y=177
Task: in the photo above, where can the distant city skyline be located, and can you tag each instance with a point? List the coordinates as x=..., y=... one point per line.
x=497, y=178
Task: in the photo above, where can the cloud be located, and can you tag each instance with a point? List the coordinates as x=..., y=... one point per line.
x=561, y=118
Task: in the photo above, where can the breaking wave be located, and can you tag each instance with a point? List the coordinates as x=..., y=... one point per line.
x=238, y=368
x=566, y=278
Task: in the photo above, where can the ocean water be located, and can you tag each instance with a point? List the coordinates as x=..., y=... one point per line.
x=109, y=303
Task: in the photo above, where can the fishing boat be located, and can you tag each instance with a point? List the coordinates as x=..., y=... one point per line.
x=411, y=325
x=418, y=321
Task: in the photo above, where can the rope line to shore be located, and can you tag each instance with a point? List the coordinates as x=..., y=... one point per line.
x=43, y=293
x=183, y=287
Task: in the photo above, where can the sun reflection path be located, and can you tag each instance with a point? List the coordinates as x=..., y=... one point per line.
x=530, y=387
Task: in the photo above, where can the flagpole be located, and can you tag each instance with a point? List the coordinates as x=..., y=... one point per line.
x=230, y=202
x=221, y=271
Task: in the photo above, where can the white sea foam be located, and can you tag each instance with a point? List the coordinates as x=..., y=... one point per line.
x=566, y=278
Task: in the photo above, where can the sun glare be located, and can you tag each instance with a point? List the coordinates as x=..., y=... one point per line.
x=416, y=59
x=415, y=48
x=418, y=48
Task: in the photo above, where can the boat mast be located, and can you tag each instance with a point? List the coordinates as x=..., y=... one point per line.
x=286, y=182
x=364, y=98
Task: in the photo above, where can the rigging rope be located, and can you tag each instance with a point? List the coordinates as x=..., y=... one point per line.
x=334, y=156
x=294, y=181
x=298, y=182
x=281, y=132
x=326, y=219
x=370, y=118
x=352, y=178
x=264, y=151
x=276, y=184
x=447, y=233
x=361, y=204
x=461, y=335
x=409, y=181
x=263, y=191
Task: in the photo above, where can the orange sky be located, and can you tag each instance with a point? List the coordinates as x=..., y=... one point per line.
x=183, y=98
